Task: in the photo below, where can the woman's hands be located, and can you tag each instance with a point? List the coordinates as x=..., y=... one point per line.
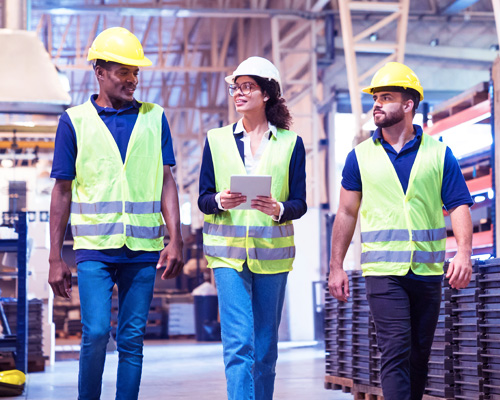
x=230, y=200
x=268, y=205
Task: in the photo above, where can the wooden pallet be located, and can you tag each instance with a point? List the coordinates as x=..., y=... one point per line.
x=360, y=392
x=338, y=383
x=366, y=392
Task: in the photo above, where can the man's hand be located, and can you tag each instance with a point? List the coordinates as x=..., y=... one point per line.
x=60, y=278
x=267, y=205
x=230, y=200
x=459, y=271
x=171, y=256
x=338, y=284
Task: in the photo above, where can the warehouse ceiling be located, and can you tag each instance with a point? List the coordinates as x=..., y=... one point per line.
x=34, y=87
x=195, y=43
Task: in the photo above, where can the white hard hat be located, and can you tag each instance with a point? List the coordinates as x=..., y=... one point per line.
x=257, y=66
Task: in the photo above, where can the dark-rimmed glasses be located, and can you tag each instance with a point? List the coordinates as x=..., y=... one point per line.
x=245, y=88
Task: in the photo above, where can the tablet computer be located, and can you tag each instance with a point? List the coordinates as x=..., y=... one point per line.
x=250, y=186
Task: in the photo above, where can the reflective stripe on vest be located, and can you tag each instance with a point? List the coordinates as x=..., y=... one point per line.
x=144, y=232
x=107, y=207
x=233, y=237
x=255, y=253
x=97, y=229
x=276, y=231
x=101, y=207
x=238, y=253
x=402, y=256
x=402, y=230
x=393, y=235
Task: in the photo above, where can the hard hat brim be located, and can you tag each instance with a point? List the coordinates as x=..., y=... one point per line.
x=145, y=62
x=369, y=89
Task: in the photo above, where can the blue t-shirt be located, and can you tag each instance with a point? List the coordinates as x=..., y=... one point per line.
x=454, y=190
x=120, y=123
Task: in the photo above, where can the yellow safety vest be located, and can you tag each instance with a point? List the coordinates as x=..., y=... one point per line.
x=116, y=203
x=232, y=237
x=401, y=231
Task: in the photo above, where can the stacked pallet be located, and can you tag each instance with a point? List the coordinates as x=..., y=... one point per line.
x=467, y=366
x=440, y=376
x=489, y=326
x=465, y=356
x=361, y=349
x=36, y=359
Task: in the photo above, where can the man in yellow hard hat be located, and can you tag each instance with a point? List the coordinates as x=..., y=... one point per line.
x=403, y=177
x=112, y=163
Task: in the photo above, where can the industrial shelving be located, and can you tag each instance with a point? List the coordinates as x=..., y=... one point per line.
x=469, y=108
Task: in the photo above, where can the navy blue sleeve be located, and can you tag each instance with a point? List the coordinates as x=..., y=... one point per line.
x=454, y=191
x=351, y=177
x=167, y=149
x=296, y=206
x=65, y=150
x=206, y=198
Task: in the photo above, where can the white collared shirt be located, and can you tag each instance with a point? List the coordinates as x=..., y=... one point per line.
x=252, y=160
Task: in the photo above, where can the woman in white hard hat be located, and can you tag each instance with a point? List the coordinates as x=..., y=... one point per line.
x=252, y=251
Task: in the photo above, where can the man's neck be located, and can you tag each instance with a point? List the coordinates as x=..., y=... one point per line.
x=105, y=101
x=399, y=134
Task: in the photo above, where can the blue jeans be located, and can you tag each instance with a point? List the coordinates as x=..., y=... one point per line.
x=405, y=312
x=135, y=290
x=250, y=312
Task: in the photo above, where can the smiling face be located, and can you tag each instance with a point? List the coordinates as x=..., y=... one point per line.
x=253, y=102
x=388, y=109
x=118, y=82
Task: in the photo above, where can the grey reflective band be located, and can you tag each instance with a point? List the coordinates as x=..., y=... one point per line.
x=387, y=235
x=428, y=235
x=385, y=256
x=97, y=229
x=101, y=207
x=142, y=207
x=279, y=253
x=146, y=232
x=235, y=231
x=402, y=235
x=110, y=207
x=239, y=253
x=270, y=232
x=429, y=257
x=422, y=257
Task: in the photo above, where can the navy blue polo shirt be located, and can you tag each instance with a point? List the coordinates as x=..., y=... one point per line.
x=120, y=123
x=454, y=190
x=294, y=207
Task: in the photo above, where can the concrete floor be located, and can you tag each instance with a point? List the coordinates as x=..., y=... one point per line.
x=190, y=370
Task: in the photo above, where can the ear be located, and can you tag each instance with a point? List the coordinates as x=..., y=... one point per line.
x=99, y=72
x=408, y=106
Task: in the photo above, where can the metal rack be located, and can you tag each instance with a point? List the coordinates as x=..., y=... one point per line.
x=19, y=246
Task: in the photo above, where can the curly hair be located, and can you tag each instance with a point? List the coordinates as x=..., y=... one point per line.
x=277, y=112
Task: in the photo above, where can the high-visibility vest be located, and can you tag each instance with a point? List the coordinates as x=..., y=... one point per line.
x=116, y=203
x=401, y=231
x=234, y=236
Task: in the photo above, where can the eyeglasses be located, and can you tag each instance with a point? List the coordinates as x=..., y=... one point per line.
x=245, y=88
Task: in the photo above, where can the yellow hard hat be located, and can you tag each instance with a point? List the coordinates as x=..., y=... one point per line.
x=118, y=45
x=12, y=377
x=395, y=74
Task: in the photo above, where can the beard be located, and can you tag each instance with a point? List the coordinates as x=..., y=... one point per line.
x=390, y=119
